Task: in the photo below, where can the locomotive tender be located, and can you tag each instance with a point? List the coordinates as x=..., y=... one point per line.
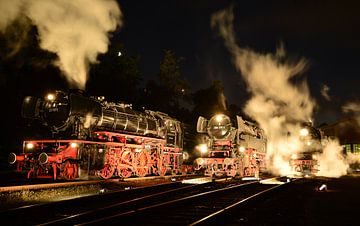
x=231, y=150
x=93, y=137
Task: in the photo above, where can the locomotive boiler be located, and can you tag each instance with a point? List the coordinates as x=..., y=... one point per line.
x=231, y=149
x=93, y=137
x=305, y=162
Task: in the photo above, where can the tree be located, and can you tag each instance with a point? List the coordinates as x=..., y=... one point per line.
x=170, y=93
x=117, y=76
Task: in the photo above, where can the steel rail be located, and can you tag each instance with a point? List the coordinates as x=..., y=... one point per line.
x=204, y=219
x=99, y=220
x=118, y=204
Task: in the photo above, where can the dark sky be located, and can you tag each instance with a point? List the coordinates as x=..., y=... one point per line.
x=325, y=33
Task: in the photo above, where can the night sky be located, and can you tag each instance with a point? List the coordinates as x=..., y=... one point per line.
x=325, y=33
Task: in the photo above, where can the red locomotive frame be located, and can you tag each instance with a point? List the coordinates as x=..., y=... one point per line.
x=124, y=155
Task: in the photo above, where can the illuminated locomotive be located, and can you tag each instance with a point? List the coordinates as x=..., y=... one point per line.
x=94, y=137
x=231, y=150
x=305, y=162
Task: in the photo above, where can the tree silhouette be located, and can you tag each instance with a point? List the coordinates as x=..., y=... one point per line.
x=171, y=93
x=117, y=76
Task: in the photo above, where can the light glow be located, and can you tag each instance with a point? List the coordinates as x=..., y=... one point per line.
x=202, y=148
x=30, y=145
x=73, y=145
x=50, y=97
x=219, y=118
x=304, y=132
x=294, y=156
x=242, y=149
x=323, y=187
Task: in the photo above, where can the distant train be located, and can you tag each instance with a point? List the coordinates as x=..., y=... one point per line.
x=93, y=137
x=305, y=162
x=231, y=149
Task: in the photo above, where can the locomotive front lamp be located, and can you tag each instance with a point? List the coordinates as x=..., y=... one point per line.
x=219, y=117
x=304, y=132
x=314, y=157
x=29, y=146
x=242, y=149
x=203, y=148
x=294, y=156
x=50, y=97
x=73, y=145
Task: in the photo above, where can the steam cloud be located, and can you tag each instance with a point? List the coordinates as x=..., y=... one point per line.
x=278, y=104
x=332, y=163
x=76, y=30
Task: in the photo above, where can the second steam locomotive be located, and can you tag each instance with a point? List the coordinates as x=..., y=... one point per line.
x=305, y=161
x=231, y=149
x=93, y=137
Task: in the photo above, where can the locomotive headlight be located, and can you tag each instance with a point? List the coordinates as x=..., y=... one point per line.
x=219, y=117
x=242, y=149
x=50, y=97
x=73, y=145
x=314, y=156
x=294, y=156
x=30, y=146
x=219, y=126
x=203, y=148
x=308, y=143
x=304, y=132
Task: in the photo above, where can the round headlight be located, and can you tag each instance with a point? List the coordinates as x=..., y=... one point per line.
x=219, y=126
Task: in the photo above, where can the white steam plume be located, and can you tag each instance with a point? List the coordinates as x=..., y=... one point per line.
x=9, y=11
x=278, y=104
x=76, y=30
x=331, y=161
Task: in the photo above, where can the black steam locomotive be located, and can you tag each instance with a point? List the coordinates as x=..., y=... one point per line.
x=231, y=148
x=94, y=137
x=305, y=161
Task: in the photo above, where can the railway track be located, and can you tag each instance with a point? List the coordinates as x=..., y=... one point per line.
x=191, y=209
x=115, y=191
x=81, y=209
x=180, y=204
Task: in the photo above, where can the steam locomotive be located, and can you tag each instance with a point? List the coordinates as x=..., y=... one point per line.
x=305, y=162
x=231, y=149
x=93, y=137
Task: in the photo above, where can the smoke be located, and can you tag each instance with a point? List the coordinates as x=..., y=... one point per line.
x=9, y=11
x=76, y=30
x=325, y=92
x=277, y=103
x=222, y=100
x=331, y=161
x=352, y=158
